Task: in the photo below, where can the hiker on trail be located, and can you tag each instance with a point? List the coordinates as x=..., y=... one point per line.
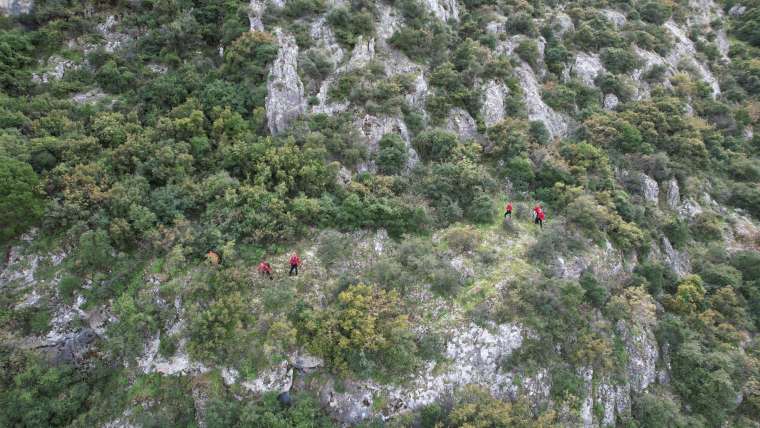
x=295, y=261
x=265, y=269
x=540, y=216
x=508, y=210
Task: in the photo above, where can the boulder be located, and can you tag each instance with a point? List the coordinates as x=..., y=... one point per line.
x=461, y=123
x=611, y=101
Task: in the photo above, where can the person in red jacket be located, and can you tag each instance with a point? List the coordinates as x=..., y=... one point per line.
x=540, y=216
x=508, y=210
x=295, y=261
x=265, y=269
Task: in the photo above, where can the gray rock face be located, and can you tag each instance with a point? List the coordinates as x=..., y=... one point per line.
x=684, y=50
x=673, y=194
x=461, y=123
x=90, y=97
x=649, y=189
x=677, y=260
x=587, y=67
x=607, y=263
x=56, y=68
x=444, y=9
x=364, y=51
x=71, y=349
x=611, y=101
x=255, y=12
x=494, y=94
x=616, y=18
x=641, y=346
x=373, y=129
x=324, y=38
x=113, y=39
x=474, y=354
x=562, y=24
x=389, y=21
x=277, y=379
x=305, y=362
x=285, y=100
x=737, y=10
x=15, y=7
x=537, y=108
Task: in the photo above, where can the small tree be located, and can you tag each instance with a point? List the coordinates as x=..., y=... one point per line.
x=20, y=202
x=392, y=155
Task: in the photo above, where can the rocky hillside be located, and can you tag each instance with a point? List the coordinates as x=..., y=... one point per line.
x=154, y=152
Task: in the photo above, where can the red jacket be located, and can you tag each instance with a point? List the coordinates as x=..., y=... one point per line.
x=509, y=207
x=541, y=215
x=265, y=267
x=295, y=261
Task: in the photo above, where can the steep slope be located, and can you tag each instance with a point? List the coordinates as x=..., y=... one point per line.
x=152, y=154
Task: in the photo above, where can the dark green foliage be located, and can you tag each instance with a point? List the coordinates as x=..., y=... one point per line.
x=659, y=411
x=95, y=251
x=656, y=277
x=435, y=145
x=596, y=293
x=32, y=393
x=423, y=38
x=619, y=61
x=20, y=202
x=16, y=55
x=720, y=275
x=350, y=24
x=391, y=154
x=706, y=227
x=521, y=23
x=677, y=232
x=267, y=412
x=528, y=52
x=747, y=26
x=655, y=12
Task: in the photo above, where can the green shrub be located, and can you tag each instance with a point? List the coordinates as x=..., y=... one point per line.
x=435, y=144
x=20, y=202
x=655, y=12
x=365, y=333
x=521, y=23
x=463, y=238
x=677, y=232
x=720, y=275
x=36, y=394
x=391, y=155
x=596, y=293
x=620, y=61
x=349, y=25
x=267, y=412
x=748, y=263
x=659, y=410
x=68, y=287
x=482, y=209
x=299, y=8
x=706, y=227
x=527, y=50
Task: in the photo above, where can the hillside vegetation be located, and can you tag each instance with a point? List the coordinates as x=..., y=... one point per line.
x=154, y=152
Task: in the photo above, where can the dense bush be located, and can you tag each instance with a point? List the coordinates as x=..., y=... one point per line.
x=619, y=61
x=20, y=200
x=350, y=24
x=655, y=12
x=365, y=332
